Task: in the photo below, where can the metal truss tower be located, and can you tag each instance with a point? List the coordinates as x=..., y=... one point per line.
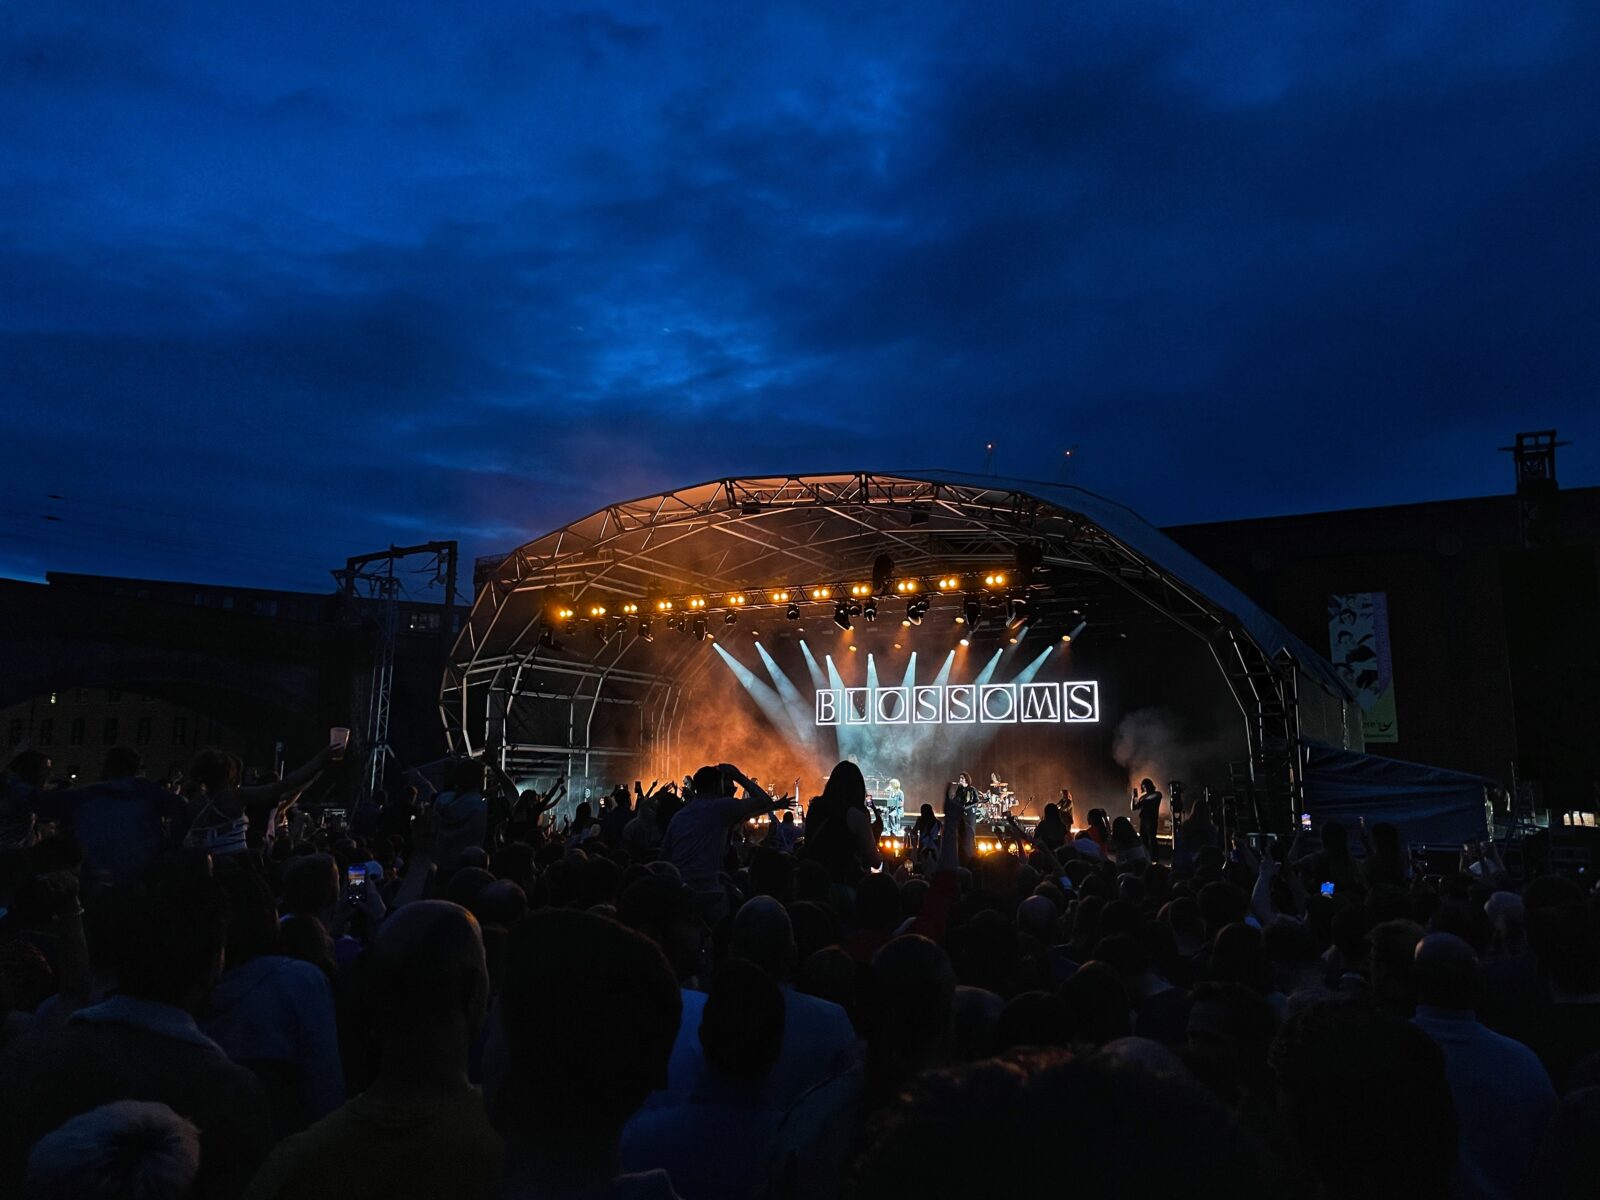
x=372, y=585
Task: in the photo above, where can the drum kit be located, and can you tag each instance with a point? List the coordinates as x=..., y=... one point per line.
x=993, y=804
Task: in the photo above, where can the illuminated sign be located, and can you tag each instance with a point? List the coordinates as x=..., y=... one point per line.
x=962, y=704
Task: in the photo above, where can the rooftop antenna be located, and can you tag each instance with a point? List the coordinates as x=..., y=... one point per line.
x=1538, y=494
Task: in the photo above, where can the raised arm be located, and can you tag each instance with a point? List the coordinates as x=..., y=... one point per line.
x=425, y=790
x=507, y=784
x=756, y=800
x=551, y=798
x=291, y=784
x=1034, y=845
x=419, y=870
x=1261, y=895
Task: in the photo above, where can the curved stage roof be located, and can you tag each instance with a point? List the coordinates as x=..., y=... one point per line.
x=571, y=605
x=751, y=535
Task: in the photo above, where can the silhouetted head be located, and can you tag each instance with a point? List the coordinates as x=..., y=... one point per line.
x=741, y=1030
x=1445, y=972
x=590, y=1010
x=710, y=781
x=31, y=767
x=666, y=912
x=846, y=788
x=1365, y=1096
x=132, y=1148
x=428, y=972
x=764, y=935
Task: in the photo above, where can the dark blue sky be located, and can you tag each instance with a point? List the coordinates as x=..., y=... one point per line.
x=284, y=282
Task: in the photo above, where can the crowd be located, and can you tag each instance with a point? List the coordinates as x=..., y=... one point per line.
x=700, y=991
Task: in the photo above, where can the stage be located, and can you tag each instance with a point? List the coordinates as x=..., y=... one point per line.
x=919, y=624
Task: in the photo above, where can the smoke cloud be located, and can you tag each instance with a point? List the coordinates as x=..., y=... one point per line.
x=722, y=725
x=1153, y=743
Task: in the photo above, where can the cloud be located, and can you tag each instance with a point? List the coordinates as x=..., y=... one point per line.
x=376, y=269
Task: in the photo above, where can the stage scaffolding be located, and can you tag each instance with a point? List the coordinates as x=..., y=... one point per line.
x=508, y=691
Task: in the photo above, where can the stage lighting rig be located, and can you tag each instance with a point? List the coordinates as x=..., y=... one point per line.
x=1017, y=608
x=869, y=610
x=882, y=571
x=730, y=618
x=793, y=611
x=1077, y=631
x=699, y=629
x=972, y=611
x=841, y=615
x=914, y=612
x=644, y=629
x=1030, y=557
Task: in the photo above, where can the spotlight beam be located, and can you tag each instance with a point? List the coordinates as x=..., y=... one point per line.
x=767, y=700
x=966, y=738
x=910, y=679
x=985, y=675
x=1033, y=668
x=922, y=733
x=849, y=736
x=818, y=680
x=800, y=716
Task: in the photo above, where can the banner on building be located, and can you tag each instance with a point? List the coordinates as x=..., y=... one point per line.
x=1358, y=645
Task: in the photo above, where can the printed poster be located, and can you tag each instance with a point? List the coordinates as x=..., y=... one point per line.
x=1358, y=645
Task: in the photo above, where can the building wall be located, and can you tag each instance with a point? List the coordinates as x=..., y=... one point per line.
x=77, y=726
x=266, y=667
x=1443, y=566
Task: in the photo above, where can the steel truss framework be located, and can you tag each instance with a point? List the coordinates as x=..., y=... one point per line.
x=756, y=534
